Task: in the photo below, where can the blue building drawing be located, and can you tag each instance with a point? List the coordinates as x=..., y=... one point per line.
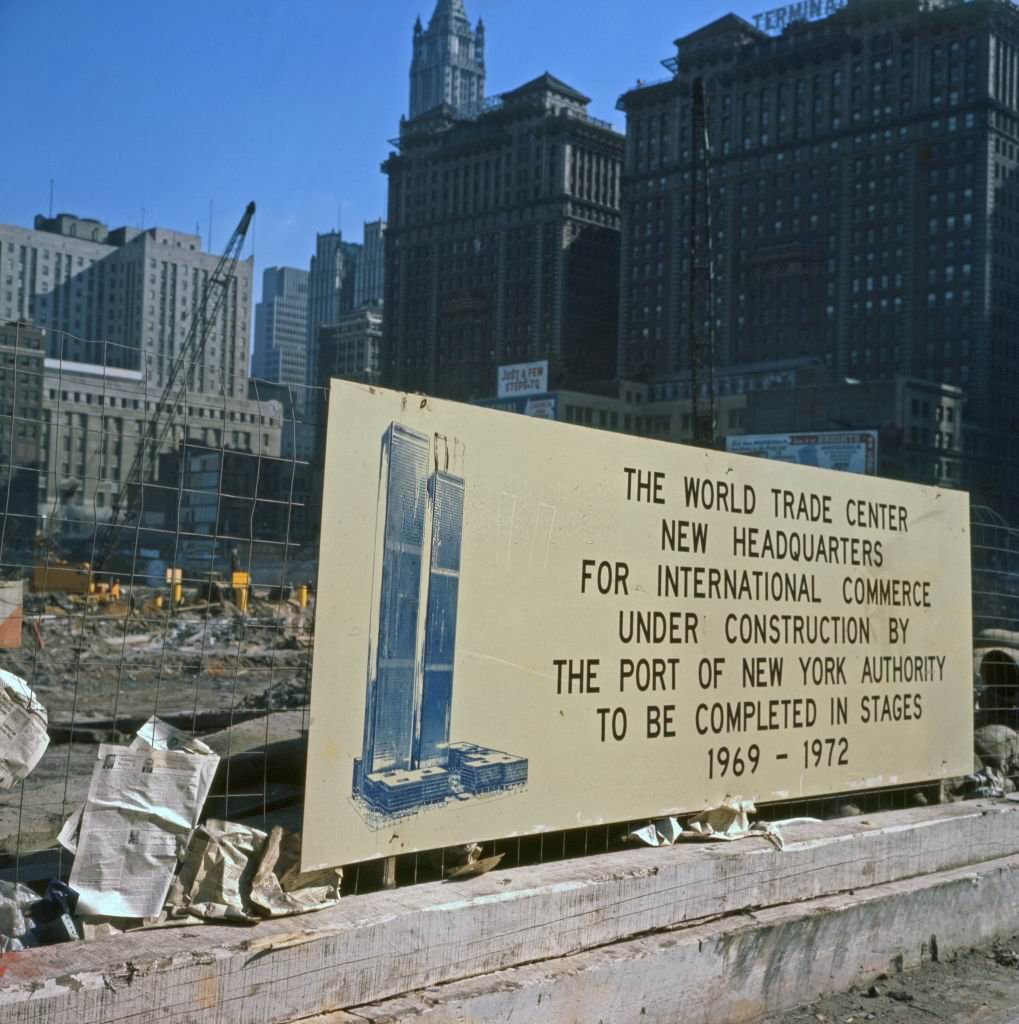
x=407, y=760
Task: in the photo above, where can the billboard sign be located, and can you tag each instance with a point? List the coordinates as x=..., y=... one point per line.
x=522, y=379
x=525, y=625
x=849, y=451
x=544, y=406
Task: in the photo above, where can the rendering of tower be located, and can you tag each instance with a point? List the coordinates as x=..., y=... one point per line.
x=407, y=760
x=448, y=64
x=389, y=713
x=446, y=492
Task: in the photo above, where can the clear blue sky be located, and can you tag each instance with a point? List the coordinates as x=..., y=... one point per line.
x=132, y=104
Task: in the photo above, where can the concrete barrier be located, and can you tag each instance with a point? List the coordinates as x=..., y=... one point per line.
x=570, y=932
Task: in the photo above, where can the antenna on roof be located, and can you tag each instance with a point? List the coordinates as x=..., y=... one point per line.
x=51, y=198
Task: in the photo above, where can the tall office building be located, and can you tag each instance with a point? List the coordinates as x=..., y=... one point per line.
x=859, y=187
x=370, y=276
x=281, y=327
x=448, y=64
x=115, y=307
x=502, y=244
x=330, y=289
x=125, y=298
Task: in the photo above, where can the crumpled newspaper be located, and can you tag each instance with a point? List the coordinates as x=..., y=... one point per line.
x=725, y=822
x=23, y=729
x=234, y=872
x=988, y=782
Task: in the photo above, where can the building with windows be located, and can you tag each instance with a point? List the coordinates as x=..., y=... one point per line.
x=22, y=349
x=281, y=327
x=919, y=423
x=350, y=347
x=369, y=279
x=502, y=243
x=95, y=418
x=448, y=64
x=855, y=202
x=125, y=298
x=330, y=288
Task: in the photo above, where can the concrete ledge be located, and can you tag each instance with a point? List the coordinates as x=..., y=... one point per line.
x=732, y=970
x=371, y=948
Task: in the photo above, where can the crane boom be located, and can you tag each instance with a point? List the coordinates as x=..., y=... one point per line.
x=160, y=424
x=700, y=305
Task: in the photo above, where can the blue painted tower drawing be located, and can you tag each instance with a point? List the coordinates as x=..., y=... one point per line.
x=407, y=760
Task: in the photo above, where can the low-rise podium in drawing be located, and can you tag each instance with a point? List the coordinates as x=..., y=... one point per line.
x=407, y=760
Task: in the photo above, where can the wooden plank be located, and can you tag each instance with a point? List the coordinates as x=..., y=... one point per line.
x=376, y=946
x=735, y=969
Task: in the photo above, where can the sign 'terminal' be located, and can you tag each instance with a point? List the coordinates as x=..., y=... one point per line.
x=804, y=10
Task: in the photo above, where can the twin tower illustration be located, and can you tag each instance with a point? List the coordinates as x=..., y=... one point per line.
x=407, y=760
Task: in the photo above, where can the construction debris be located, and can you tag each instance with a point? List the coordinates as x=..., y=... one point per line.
x=727, y=822
x=10, y=613
x=15, y=899
x=23, y=729
x=237, y=873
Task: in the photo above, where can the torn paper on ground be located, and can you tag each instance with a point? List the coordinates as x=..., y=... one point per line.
x=70, y=830
x=726, y=822
x=156, y=734
x=141, y=808
x=23, y=735
x=663, y=832
x=234, y=872
x=270, y=896
x=214, y=881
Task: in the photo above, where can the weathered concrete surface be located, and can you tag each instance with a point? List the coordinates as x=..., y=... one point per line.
x=733, y=970
x=375, y=947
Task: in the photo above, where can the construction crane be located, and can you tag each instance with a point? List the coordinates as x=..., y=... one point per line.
x=700, y=297
x=128, y=502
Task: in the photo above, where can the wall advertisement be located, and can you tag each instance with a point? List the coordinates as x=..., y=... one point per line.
x=525, y=625
x=522, y=379
x=851, y=451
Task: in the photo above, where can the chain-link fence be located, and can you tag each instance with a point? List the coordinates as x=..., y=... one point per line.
x=158, y=558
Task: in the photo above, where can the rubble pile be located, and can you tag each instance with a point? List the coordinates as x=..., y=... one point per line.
x=117, y=691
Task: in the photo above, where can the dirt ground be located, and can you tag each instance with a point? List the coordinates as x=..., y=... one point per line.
x=974, y=986
x=101, y=671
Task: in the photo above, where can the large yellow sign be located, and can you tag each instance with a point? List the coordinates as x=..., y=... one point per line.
x=524, y=625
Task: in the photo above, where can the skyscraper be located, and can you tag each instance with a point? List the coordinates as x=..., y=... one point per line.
x=858, y=190
x=330, y=289
x=502, y=244
x=370, y=276
x=281, y=327
x=448, y=63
